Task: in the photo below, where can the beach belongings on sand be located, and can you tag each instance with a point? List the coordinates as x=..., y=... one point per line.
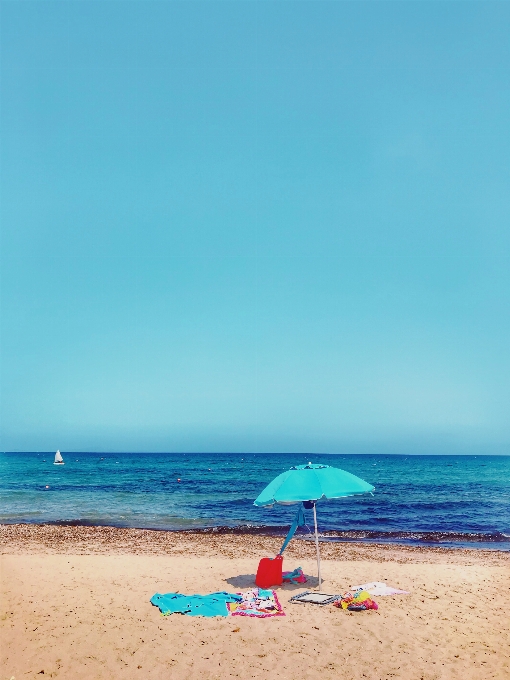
x=307, y=484
x=295, y=576
x=356, y=602
x=269, y=572
x=214, y=604
x=259, y=603
x=379, y=589
x=311, y=597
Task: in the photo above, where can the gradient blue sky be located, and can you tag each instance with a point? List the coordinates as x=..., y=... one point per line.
x=255, y=226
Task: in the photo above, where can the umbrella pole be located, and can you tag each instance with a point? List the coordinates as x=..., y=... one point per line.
x=317, y=546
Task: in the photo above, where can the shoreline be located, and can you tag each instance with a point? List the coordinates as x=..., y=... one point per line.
x=78, y=539
x=449, y=539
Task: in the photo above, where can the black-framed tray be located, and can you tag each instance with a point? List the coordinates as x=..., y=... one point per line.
x=314, y=597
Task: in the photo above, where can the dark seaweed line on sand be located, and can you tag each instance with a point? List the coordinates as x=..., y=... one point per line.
x=332, y=535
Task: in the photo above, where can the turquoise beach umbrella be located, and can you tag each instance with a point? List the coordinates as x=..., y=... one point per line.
x=308, y=484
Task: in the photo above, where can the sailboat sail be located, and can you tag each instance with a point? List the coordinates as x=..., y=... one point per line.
x=58, y=458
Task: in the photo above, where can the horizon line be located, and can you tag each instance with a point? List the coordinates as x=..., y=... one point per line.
x=257, y=453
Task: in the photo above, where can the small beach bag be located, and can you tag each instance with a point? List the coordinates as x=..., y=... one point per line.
x=269, y=572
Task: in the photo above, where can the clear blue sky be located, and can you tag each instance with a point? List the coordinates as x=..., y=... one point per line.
x=255, y=226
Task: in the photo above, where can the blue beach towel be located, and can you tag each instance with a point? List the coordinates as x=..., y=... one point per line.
x=214, y=604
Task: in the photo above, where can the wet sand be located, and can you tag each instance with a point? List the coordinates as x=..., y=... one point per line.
x=75, y=604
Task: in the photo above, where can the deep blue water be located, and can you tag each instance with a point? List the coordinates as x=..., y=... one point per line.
x=458, y=500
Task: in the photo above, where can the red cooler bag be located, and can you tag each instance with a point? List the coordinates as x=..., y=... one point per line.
x=269, y=572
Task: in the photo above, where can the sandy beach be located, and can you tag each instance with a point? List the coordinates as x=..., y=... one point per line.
x=75, y=604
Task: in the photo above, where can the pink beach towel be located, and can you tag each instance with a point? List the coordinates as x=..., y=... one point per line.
x=258, y=603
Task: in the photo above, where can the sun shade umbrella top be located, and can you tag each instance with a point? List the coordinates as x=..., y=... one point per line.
x=311, y=483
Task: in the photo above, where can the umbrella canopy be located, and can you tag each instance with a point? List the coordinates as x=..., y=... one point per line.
x=311, y=483
x=308, y=484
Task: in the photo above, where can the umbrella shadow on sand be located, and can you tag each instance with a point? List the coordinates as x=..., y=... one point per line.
x=248, y=581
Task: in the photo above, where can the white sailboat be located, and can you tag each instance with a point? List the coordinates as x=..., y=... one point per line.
x=58, y=459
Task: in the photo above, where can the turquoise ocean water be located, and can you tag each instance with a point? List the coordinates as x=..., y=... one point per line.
x=433, y=500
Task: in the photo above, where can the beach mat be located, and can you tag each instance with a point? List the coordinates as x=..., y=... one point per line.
x=214, y=604
x=258, y=603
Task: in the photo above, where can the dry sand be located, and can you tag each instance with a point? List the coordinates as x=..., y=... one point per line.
x=75, y=604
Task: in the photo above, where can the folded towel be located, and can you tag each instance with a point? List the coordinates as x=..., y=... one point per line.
x=378, y=588
x=295, y=576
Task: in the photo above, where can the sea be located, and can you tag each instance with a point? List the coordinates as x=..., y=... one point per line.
x=454, y=501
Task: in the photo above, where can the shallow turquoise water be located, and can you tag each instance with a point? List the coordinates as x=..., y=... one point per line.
x=435, y=499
